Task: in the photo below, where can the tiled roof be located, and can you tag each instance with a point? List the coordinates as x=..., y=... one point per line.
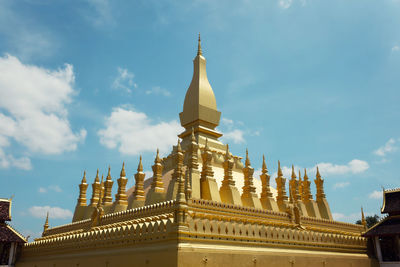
x=5, y=206
x=391, y=202
x=9, y=234
x=388, y=226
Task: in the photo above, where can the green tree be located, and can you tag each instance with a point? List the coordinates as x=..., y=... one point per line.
x=371, y=220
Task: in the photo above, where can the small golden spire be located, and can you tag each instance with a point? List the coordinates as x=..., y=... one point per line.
x=179, y=148
x=264, y=165
x=109, y=173
x=84, y=177
x=199, y=52
x=193, y=137
x=318, y=174
x=227, y=154
x=305, y=177
x=140, y=166
x=280, y=174
x=157, y=160
x=363, y=221
x=101, y=192
x=299, y=176
x=206, y=145
x=123, y=174
x=247, y=163
x=46, y=223
x=293, y=173
x=96, y=180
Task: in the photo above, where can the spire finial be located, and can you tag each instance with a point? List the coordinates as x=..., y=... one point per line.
x=84, y=177
x=299, y=175
x=193, y=137
x=123, y=174
x=140, y=166
x=264, y=165
x=318, y=174
x=46, y=223
x=280, y=174
x=247, y=163
x=227, y=154
x=305, y=177
x=157, y=160
x=199, y=52
x=293, y=173
x=363, y=221
x=109, y=173
x=96, y=180
x=206, y=146
x=179, y=148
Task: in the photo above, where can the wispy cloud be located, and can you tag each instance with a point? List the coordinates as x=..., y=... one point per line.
x=395, y=48
x=389, y=147
x=34, y=101
x=236, y=136
x=54, y=212
x=352, y=218
x=133, y=132
x=54, y=188
x=285, y=4
x=157, y=90
x=124, y=80
x=341, y=185
x=375, y=194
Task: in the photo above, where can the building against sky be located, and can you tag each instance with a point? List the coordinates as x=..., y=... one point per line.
x=201, y=207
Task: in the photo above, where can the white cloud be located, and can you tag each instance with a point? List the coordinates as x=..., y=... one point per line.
x=236, y=136
x=33, y=110
x=124, y=80
x=375, y=195
x=134, y=133
x=285, y=4
x=227, y=122
x=54, y=188
x=54, y=212
x=341, y=185
x=389, y=147
x=157, y=90
x=42, y=190
x=395, y=48
x=355, y=166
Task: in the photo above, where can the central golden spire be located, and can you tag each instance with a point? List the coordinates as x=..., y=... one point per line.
x=200, y=107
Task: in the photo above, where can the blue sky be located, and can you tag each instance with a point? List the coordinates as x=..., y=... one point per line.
x=96, y=83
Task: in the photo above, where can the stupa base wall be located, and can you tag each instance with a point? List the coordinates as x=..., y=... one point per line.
x=192, y=254
x=231, y=256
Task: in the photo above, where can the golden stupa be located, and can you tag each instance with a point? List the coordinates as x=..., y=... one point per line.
x=202, y=207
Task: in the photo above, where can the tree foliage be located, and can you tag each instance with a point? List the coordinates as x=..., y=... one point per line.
x=371, y=220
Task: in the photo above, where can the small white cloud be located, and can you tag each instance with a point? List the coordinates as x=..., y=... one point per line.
x=285, y=4
x=341, y=185
x=236, y=136
x=54, y=188
x=375, y=195
x=157, y=90
x=355, y=166
x=124, y=80
x=54, y=212
x=42, y=190
x=389, y=147
x=134, y=133
x=395, y=48
x=227, y=122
